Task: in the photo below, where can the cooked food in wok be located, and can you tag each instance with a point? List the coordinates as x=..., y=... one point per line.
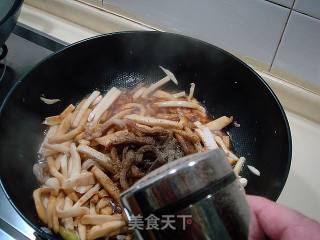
x=94, y=150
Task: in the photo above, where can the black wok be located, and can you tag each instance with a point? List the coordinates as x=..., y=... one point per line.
x=224, y=84
x=9, y=12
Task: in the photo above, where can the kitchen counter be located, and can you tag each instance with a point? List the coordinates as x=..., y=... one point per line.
x=302, y=191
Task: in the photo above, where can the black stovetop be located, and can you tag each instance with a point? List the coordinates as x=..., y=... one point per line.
x=26, y=48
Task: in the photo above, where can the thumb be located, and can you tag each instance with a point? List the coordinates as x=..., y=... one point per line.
x=278, y=222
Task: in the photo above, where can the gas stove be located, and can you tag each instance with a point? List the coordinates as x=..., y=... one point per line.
x=26, y=48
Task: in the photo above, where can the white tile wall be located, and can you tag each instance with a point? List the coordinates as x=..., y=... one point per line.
x=310, y=7
x=299, y=50
x=251, y=28
x=286, y=3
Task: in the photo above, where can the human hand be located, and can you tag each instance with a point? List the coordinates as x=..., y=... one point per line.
x=269, y=219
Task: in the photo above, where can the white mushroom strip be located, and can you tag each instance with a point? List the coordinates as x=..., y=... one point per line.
x=47, y=152
x=169, y=74
x=150, y=121
x=66, y=111
x=207, y=138
x=237, y=168
x=77, y=109
x=87, y=164
x=192, y=87
x=243, y=182
x=50, y=210
x=58, y=203
x=66, y=137
x=138, y=93
x=82, y=231
x=53, y=170
x=71, y=134
x=181, y=104
x=69, y=167
x=73, y=196
x=68, y=222
x=82, y=189
x=225, y=149
x=84, y=107
x=153, y=87
x=104, y=229
x=51, y=132
x=253, y=170
x=37, y=197
x=227, y=142
x=60, y=148
x=221, y=144
x=84, y=142
x=99, y=219
x=163, y=94
x=53, y=183
x=179, y=94
x=106, y=210
x=92, y=208
x=87, y=196
x=54, y=120
x=107, y=183
x=76, y=160
x=139, y=106
x=121, y=114
x=64, y=165
x=49, y=101
x=103, y=202
x=72, y=212
x=103, y=106
x=233, y=156
x=219, y=123
x=96, y=101
x=101, y=158
x=109, y=125
x=57, y=163
x=82, y=179
x=64, y=125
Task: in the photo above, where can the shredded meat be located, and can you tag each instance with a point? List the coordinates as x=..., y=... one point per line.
x=183, y=144
x=171, y=149
x=151, y=131
x=136, y=172
x=115, y=159
x=124, y=137
x=126, y=165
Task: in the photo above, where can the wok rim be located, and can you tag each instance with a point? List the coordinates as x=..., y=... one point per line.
x=16, y=6
x=278, y=189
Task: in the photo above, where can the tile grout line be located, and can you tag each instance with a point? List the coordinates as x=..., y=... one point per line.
x=280, y=5
x=281, y=37
x=294, y=10
x=305, y=14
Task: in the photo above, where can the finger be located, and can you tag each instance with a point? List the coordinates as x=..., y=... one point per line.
x=279, y=222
